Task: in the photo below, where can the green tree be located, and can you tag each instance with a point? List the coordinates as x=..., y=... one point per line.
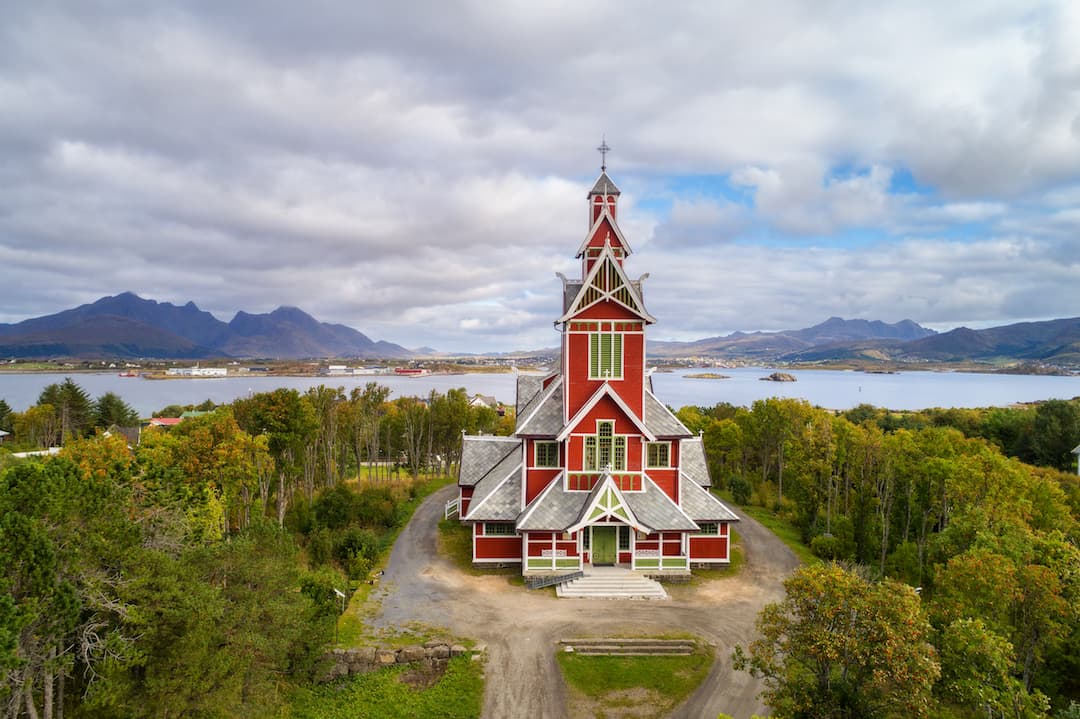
x=5, y=416
x=976, y=672
x=110, y=409
x=74, y=410
x=289, y=422
x=1055, y=432
x=840, y=646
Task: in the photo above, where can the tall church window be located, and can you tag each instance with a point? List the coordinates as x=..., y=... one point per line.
x=605, y=355
x=604, y=448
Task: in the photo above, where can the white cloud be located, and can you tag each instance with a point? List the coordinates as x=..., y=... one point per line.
x=419, y=173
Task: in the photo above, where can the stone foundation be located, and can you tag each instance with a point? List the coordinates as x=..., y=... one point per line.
x=347, y=662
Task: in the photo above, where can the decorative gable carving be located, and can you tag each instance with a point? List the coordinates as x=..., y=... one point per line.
x=608, y=282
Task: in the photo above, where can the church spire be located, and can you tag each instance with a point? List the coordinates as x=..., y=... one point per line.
x=604, y=194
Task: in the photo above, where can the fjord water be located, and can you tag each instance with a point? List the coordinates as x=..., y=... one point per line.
x=825, y=388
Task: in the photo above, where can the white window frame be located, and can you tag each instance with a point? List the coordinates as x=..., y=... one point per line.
x=606, y=362
x=509, y=525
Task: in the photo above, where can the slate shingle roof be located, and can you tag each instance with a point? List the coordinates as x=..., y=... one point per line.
x=655, y=509
x=660, y=421
x=544, y=417
x=500, y=497
x=553, y=508
x=604, y=186
x=692, y=461
x=529, y=387
x=701, y=505
x=479, y=455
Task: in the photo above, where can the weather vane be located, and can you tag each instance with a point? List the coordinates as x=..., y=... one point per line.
x=603, y=150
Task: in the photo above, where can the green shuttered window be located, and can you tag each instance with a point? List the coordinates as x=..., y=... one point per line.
x=605, y=355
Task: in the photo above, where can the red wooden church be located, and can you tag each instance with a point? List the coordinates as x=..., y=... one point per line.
x=598, y=472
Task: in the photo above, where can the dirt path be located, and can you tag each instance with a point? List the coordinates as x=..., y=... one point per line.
x=521, y=627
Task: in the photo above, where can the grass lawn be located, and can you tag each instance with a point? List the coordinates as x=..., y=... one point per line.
x=400, y=691
x=787, y=532
x=623, y=687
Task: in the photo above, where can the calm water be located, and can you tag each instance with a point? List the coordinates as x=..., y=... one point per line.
x=832, y=389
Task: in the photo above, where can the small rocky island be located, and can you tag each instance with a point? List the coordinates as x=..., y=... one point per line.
x=707, y=375
x=779, y=377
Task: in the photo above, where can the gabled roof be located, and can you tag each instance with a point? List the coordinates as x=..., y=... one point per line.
x=701, y=505
x=529, y=387
x=553, y=508
x=604, y=186
x=480, y=455
x=606, y=500
x=660, y=419
x=1076, y=450
x=607, y=282
x=544, y=416
x=596, y=227
x=653, y=507
x=497, y=497
x=604, y=391
x=692, y=464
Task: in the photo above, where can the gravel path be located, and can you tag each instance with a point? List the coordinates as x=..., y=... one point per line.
x=521, y=627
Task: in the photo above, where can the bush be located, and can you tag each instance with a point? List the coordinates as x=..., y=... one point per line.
x=357, y=549
x=740, y=489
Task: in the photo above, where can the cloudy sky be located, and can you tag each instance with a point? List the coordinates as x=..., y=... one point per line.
x=418, y=170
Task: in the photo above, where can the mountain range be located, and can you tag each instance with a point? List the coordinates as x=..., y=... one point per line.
x=771, y=346
x=128, y=326
x=1051, y=342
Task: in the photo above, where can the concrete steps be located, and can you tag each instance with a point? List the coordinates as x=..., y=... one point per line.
x=611, y=583
x=615, y=647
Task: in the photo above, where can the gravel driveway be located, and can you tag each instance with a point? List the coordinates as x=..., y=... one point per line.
x=521, y=627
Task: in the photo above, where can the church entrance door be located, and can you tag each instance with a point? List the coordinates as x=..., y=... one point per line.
x=603, y=545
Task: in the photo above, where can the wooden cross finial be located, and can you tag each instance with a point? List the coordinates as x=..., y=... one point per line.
x=603, y=150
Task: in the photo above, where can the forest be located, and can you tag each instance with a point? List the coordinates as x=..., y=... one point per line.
x=144, y=579
x=975, y=509
x=139, y=578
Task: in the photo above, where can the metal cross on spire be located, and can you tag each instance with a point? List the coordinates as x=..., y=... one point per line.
x=603, y=150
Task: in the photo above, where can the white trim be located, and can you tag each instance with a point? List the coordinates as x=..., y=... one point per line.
x=675, y=504
x=537, y=500
x=604, y=389
x=688, y=435
x=596, y=226
x=493, y=560
x=583, y=518
x=576, y=308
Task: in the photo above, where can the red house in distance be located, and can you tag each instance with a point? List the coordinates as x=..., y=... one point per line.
x=598, y=472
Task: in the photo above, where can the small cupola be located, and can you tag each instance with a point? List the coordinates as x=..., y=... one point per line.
x=604, y=195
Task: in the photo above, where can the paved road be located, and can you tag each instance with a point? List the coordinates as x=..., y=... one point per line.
x=521, y=627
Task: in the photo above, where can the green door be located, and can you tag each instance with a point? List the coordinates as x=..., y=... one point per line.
x=603, y=545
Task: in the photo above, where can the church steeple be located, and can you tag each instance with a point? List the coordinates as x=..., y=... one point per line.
x=604, y=195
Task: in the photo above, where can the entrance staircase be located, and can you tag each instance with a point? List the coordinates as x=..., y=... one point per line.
x=611, y=583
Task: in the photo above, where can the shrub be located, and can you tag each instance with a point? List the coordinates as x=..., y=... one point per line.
x=740, y=489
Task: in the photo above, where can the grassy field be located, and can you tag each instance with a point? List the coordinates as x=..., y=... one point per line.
x=400, y=691
x=623, y=687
